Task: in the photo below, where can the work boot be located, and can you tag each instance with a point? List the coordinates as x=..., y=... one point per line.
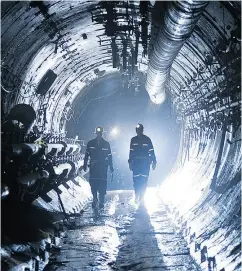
x=94, y=203
x=142, y=202
x=137, y=196
x=142, y=196
x=136, y=199
x=101, y=201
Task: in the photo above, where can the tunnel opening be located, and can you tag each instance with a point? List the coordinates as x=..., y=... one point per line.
x=111, y=104
x=106, y=55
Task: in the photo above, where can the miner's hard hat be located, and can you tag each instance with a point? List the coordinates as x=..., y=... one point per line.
x=99, y=129
x=139, y=127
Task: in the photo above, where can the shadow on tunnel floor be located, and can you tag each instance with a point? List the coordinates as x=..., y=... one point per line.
x=139, y=249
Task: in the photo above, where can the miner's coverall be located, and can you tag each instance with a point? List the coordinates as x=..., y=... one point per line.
x=141, y=155
x=100, y=155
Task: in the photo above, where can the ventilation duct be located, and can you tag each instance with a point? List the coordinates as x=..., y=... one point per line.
x=179, y=21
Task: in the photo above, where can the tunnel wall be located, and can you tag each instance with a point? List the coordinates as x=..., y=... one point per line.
x=208, y=216
x=74, y=197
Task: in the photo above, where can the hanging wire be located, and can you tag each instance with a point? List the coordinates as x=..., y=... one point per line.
x=98, y=98
x=21, y=80
x=5, y=90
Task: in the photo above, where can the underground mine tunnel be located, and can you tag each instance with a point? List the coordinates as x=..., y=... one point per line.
x=68, y=67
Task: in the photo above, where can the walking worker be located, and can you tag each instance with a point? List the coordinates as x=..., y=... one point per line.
x=141, y=156
x=99, y=152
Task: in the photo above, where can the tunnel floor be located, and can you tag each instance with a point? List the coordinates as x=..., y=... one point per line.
x=124, y=237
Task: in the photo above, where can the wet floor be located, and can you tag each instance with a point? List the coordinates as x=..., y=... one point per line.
x=124, y=237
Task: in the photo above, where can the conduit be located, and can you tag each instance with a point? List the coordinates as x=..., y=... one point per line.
x=179, y=22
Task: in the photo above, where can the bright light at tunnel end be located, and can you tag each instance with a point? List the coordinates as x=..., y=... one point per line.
x=115, y=131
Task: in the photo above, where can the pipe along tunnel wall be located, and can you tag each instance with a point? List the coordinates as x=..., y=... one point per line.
x=75, y=42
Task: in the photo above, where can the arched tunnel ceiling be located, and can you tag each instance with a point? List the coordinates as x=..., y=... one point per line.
x=74, y=39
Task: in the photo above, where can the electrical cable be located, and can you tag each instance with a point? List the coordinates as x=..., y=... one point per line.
x=4, y=89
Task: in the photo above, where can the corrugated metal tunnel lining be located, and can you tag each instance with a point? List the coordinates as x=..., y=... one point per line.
x=72, y=44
